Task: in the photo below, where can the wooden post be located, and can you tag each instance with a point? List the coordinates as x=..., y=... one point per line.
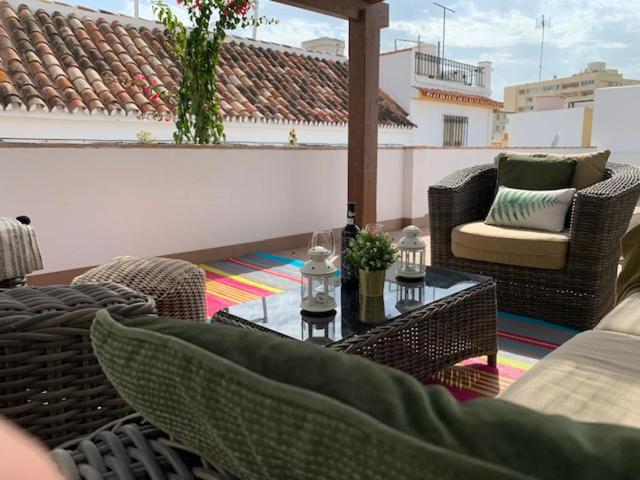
x=364, y=80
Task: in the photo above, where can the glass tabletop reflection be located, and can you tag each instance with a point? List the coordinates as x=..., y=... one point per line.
x=354, y=314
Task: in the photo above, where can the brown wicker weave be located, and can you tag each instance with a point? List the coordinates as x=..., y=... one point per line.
x=178, y=287
x=426, y=340
x=130, y=449
x=50, y=382
x=578, y=296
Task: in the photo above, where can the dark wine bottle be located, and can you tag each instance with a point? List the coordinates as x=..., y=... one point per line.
x=349, y=232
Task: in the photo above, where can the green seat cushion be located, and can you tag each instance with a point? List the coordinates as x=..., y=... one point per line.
x=526, y=173
x=628, y=281
x=262, y=406
x=589, y=169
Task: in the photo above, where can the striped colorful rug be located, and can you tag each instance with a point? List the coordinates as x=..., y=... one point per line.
x=238, y=280
x=522, y=341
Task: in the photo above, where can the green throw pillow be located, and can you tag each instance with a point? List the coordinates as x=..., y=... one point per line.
x=590, y=167
x=263, y=406
x=527, y=173
x=536, y=209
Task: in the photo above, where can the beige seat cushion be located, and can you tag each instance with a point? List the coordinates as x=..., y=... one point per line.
x=510, y=246
x=594, y=377
x=625, y=318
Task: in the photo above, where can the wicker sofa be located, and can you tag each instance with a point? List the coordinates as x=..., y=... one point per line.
x=594, y=377
x=579, y=293
x=603, y=387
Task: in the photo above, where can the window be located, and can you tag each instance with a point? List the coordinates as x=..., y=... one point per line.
x=587, y=82
x=522, y=91
x=456, y=130
x=550, y=88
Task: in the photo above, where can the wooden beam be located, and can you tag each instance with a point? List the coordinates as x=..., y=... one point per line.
x=364, y=80
x=346, y=9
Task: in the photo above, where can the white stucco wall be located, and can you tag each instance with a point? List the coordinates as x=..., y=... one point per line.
x=429, y=117
x=540, y=128
x=396, y=74
x=615, y=122
x=90, y=203
x=72, y=127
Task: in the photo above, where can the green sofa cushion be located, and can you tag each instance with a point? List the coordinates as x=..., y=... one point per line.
x=628, y=281
x=526, y=173
x=589, y=169
x=262, y=406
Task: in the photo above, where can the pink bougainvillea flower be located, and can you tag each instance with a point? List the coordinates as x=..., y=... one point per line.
x=244, y=7
x=197, y=5
x=154, y=81
x=155, y=96
x=147, y=90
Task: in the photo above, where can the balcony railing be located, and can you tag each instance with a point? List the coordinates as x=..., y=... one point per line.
x=449, y=70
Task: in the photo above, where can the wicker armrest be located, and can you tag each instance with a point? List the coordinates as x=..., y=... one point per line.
x=601, y=214
x=462, y=197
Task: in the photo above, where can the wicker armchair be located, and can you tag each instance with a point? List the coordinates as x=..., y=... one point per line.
x=132, y=449
x=178, y=287
x=578, y=295
x=50, y=381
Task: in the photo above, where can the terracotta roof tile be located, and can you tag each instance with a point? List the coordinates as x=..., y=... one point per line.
x=51, y=60
x=459, y=97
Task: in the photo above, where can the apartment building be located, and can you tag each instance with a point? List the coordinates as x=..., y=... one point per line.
x=576, y=89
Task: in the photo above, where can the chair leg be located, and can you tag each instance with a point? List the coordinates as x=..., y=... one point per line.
x=492, y=360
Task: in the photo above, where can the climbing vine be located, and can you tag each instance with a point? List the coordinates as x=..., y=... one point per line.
x=198, y=118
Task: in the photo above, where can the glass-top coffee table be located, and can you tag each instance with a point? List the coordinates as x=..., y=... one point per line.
x=418, y=327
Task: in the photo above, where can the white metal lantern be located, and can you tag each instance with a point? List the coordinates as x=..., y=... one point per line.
x=318, y=328
x=318, y=282
x=412, y=253
x=409, y=296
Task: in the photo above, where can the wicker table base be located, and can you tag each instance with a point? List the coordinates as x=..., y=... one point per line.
x=426, y=340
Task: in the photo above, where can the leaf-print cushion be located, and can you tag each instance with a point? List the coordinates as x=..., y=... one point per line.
x=535, y=209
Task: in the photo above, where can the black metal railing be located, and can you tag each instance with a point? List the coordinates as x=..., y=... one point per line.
x=449, y=70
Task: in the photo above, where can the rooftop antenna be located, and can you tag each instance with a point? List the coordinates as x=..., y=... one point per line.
x=256, y=18
x=444, y=21
x=136, y=8
x=542, y=22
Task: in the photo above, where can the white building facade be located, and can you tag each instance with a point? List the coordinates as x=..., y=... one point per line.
x=449, y=101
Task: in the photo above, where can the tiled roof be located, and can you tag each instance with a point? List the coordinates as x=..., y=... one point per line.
x=459, y=97
x=56, y=62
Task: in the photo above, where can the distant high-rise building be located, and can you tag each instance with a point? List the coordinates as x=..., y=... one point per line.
x=577, y=88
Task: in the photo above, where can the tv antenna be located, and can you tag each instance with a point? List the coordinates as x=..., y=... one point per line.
x=444, y=21
x=542, y=23
x=256, y=19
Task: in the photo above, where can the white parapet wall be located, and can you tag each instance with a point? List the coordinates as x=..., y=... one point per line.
x=615, y=122
x=89, y=203
x=82, y=127
x=562, y=128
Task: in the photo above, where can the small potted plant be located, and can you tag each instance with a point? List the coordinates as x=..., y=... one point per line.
x=372, y=255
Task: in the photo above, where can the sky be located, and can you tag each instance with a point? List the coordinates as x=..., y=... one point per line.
x=501, y=31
